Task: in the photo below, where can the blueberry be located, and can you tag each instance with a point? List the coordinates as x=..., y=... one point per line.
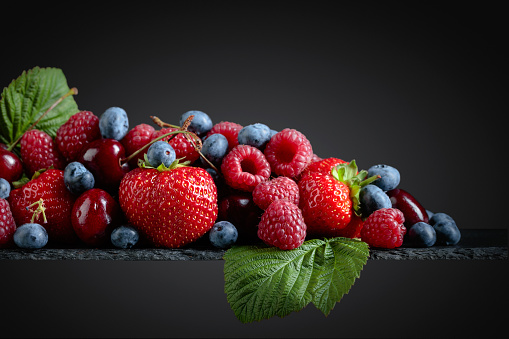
x=31, y=236
x=215, y=148
x=213, y=174
x=124, y=236
x=5, y=188
x=200, y=124
x=430, y=214
x=256, y=135
x=389, y=176
x=161, y=152
x=114, y=123
x=422, y=234
x=77, y=178
x=272, y=133
x=223, y=234
x=437, y=217
x=372, y=198
x=447, y=231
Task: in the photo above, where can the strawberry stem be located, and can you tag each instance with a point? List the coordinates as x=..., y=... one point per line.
x=72, y=91
x=40, y=209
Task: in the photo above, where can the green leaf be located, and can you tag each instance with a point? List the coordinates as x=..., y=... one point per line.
x=28, y=97
x=261, y=281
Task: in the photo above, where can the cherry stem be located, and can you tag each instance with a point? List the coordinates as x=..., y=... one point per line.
x=72, y=91
x=197, y=144
x=40, y=209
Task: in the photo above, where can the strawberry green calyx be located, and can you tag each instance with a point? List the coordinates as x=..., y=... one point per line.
x=162, y=168
x=349, y=174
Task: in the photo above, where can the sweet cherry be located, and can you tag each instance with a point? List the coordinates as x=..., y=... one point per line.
x=413, y=211
x=94, y=216
x=239, y=209
x=11, y=168
x=103, y=158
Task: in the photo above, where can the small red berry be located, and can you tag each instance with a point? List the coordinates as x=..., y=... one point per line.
x=7, y=224
x=288, y=152
x=79, y=130
x=278, y=188
x=353, y=229
x=245, y=167
x=135, y=139
x=230, y=130
x=384, y=228
x=38, y=151
x=94, y=216
x=183, y=147
x=282, y=225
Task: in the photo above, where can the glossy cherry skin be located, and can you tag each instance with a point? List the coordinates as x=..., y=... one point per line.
x=102, y=157
x=413, y=211
x=11, y=167
x=94, y=216
x=239, y=209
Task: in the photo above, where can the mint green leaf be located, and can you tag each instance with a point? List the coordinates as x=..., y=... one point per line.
x=28, y=97
x=261, y=282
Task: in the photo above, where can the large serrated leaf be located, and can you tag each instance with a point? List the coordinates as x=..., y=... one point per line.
x=261, y=282
x=28, y=97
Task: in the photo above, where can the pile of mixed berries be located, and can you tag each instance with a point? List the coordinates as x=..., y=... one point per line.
x=99, y=183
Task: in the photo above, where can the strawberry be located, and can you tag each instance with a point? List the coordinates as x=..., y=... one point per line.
x=47, y=191
x=38, y=151
x=172, y=206
x=322, y=165
x=328, y=200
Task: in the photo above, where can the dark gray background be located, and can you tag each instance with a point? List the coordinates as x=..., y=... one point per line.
x=414, y=85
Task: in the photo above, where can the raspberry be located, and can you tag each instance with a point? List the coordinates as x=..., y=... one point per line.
x=7, y=224
x=384, y=228
x=323, y=166
x=244, y=168
x=135, y=139
x=282, y=225
x=183, y=147
x=279, y=188
x=230, y=130
x=288, y=152
x=79, y=130
x=38, y=151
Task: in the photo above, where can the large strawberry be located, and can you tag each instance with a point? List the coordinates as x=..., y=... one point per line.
x=328, y=200
x=172, y=206
x=46, y=193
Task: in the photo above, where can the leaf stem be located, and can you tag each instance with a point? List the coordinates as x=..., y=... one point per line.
x=72, y=91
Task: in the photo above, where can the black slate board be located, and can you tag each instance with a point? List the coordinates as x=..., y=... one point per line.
x=475, y=244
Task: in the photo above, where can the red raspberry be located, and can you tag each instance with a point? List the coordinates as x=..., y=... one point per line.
x=79, y=130
x=183, y=147
x=323, y=166
x=384, y=228
x=282, y=225
x=135, y=139
x=279, y=188
x=353, y=229
x=244, y=168
x=230, y=130
x=288, y=152
x=38, y=151
x=7, y=224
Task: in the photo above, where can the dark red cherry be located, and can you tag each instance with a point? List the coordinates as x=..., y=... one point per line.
x=413, y=211
x=11, y=167
x=102, y=157
x=239, y=209
x=94, y=216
